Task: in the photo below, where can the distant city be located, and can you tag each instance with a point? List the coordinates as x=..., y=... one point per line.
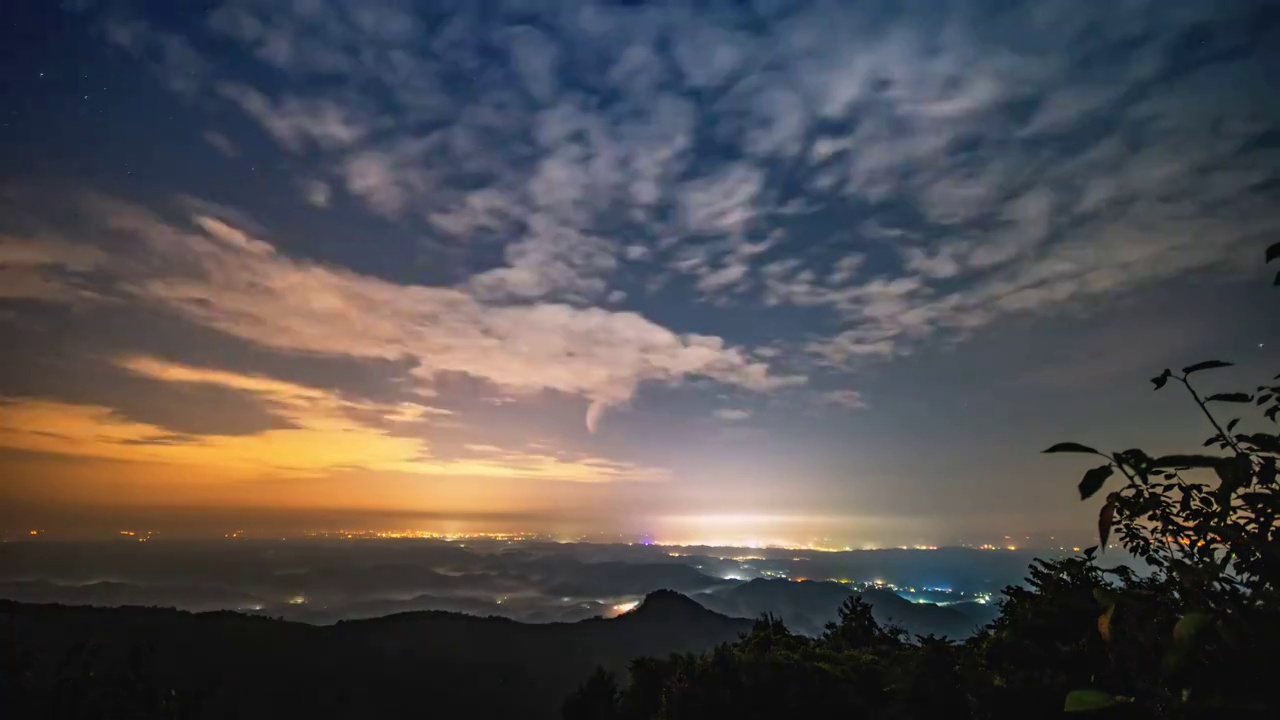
x=924, y=574
x=825, y=545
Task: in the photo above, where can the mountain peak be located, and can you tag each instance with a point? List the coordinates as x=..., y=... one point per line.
x=667, y=603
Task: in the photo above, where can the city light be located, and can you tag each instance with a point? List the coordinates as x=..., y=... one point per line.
x=622, y=608
x=508, y=537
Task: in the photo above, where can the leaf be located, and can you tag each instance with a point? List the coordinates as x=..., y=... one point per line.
x=1267, y=443
x=1234, y=472
x=1089, y=552
x=1135, y=458
x=1106, y=518
x=1160, y=380
x=1273, y=252
x=1230, y=397
x=1189, y=629
x=1087, y=700
x=1206, y=365
x=1070, y=447
x=1261, y=501
x=1094, y=479
x=1104, y=624
x=1232, y=425
x=1105, y=596
x=1267, y=474
x=1200, y=461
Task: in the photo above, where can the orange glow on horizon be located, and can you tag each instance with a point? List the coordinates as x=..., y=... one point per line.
x=327, y=454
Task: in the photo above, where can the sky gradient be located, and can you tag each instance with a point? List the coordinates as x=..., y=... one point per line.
x=756, y=270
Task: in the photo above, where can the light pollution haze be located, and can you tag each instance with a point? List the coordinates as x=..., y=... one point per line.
x=767, y=271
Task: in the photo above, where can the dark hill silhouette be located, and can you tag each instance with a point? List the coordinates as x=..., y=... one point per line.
x=808, y=605
x=111, y=594
x=418, y=664
x=668, y=606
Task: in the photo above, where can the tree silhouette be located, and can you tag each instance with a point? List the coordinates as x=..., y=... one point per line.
x=595, y=699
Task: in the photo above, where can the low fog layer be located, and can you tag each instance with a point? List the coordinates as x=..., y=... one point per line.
x=946, y=591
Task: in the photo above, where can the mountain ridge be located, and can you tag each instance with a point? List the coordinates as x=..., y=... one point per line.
x=467, y=665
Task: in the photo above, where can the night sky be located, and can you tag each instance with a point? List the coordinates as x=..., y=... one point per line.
x=759, y=270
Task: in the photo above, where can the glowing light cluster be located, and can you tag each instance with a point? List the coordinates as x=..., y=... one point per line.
x=755, y=544
x=425, y=535
x=626, y=607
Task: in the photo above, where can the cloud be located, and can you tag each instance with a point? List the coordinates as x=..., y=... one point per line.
x=386, y=179
x=551, y=259
x=772, y=116
x=732, y=414
x=170, y=56
x=320, y=38
x=221, y=143
x=324, y=435
x=723, y=268
x=504, y=462
x=279, y=391
x=225, y=279
x=844, y=398
x=845, y=269
x=942, y=263
x=298, y=122
x=722, y=203
x=1019, y=159
x=231, y=236
x=46, y=268
x=1063, y=110
x=317, y=193
x=321, y=444
x=726, y=277
x=595, y=411
x=709, y=54
x=534, y=57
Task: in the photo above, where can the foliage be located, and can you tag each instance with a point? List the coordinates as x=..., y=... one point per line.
x=595, y=699
x=857, y=668
x=87, y=684
x=1207, y=525
x=1206, y=520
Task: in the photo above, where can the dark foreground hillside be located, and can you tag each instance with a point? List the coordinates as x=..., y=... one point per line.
x=72, y=662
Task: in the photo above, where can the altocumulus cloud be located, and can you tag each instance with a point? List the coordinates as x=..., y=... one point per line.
x=1003, y=158
x=898, y=172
